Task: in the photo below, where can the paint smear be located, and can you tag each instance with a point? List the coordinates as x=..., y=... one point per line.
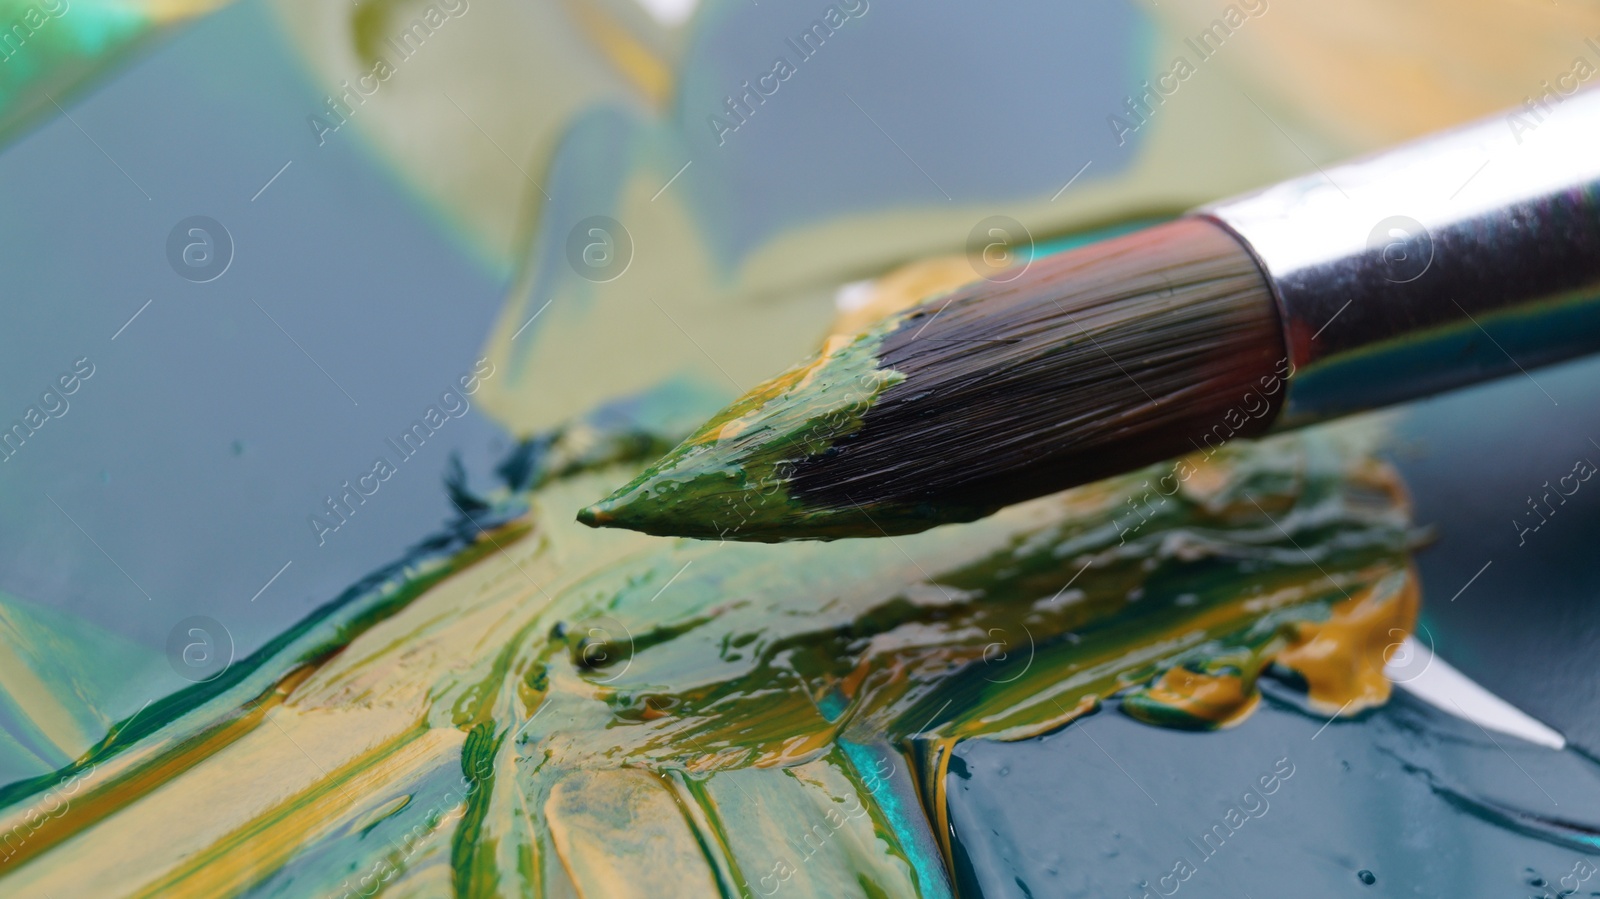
x=526, y=706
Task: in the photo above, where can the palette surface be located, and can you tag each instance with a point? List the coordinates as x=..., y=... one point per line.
x=331, y=325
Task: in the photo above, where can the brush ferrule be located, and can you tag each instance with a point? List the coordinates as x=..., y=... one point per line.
x=1453, y=259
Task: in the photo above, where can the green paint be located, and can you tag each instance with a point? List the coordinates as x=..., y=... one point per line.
x=472, y=850
x=729, y=480
x=55, y=49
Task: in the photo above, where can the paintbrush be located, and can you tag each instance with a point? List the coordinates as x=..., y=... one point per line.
x=1460, y=257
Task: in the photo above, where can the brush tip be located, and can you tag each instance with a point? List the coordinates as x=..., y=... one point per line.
x=654, y=503
x=730, y=479
x=596, y=516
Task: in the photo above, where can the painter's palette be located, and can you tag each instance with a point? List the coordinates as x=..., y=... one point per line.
x=292, y=601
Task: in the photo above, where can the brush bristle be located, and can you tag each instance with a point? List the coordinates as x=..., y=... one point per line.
x=1090, y=363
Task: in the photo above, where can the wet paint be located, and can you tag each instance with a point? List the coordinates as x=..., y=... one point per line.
x=525, y=705
x=1074, y=367
x=730, y=480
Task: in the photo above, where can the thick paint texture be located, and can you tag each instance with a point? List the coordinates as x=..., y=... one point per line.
x=527, y=706
x=730, y=480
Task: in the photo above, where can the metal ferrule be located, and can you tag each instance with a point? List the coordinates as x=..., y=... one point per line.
x=1453, y=259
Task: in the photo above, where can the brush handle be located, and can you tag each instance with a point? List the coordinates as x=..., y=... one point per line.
x=1453, y=259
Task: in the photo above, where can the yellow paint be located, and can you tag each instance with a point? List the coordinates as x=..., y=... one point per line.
x=1355, y=75
x=169, y=10
x=643, y=68
x=1342, y=659
x=1220, y=699
x=904, y=287
x=619, y=834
